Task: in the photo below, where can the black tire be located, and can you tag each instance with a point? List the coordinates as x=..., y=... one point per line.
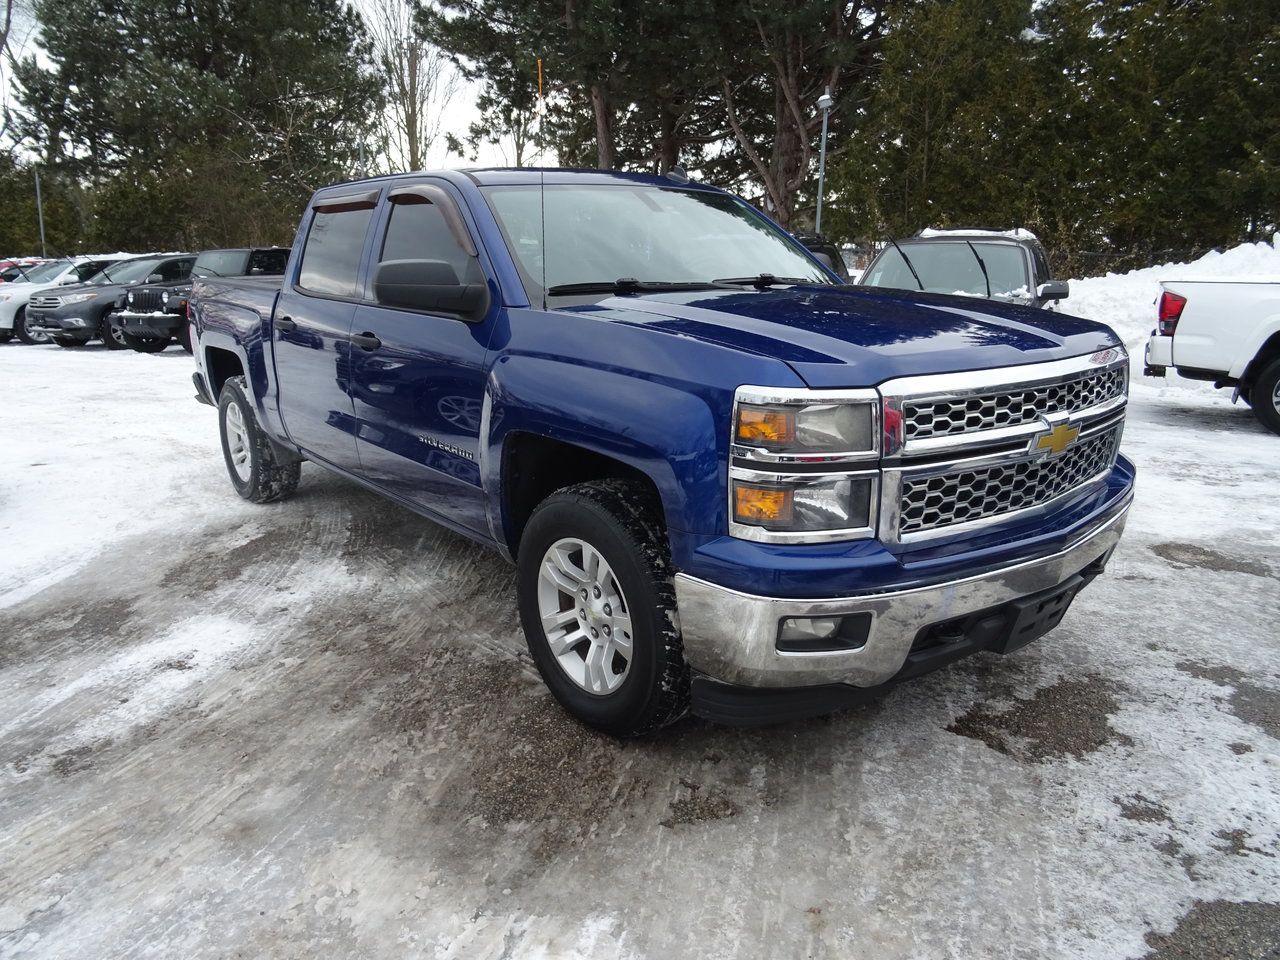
x=67, y=342
x=273, y=473
x=1265, y=396
x=143, y=344
x=22, y=333
x=184, y=337
x=621, y=520
x=112, y=336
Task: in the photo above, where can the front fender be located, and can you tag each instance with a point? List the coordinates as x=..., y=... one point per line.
x=671, y=435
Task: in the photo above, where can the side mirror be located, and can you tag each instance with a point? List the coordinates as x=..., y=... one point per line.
x=68, y=281
x=429, y=285
x=154, y=278
x=1054, y=290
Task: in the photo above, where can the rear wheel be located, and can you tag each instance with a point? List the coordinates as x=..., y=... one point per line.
x=260, y=471
x=1264, y=396
x=184, y=337
x=143, y=344
x=598, y=607
x=21, y=331
x=112, y=335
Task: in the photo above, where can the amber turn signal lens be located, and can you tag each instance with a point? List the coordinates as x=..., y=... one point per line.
x=766, y=425
x=761, y=504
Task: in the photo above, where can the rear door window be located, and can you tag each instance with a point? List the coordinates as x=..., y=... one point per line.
x=331, y=258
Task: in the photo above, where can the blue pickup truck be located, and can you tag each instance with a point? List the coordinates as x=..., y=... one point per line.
x=730, y=483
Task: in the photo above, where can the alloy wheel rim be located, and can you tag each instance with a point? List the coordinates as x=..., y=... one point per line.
x=238, y=442
x=586, y=621
x=1275, y=397
x=116, y=334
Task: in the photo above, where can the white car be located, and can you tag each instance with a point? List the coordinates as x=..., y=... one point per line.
x=55, y=273
x=1224, y=331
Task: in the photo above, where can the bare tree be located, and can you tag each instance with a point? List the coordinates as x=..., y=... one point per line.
x=419, y=79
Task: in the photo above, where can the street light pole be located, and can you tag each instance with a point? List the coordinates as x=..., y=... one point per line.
x=39, y=210
x=825, y=104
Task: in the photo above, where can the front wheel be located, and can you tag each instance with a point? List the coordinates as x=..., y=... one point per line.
x=1264, y=396
x=184, y=337
x=598, y=607
x=27, y=336
x=112, y=336
x=259, y=470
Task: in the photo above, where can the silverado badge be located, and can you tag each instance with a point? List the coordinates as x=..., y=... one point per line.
x=1056, y=440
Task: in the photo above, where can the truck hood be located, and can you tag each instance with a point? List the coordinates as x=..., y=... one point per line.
x=859, y=336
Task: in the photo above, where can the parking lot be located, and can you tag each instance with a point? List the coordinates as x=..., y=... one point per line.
x=311, y=729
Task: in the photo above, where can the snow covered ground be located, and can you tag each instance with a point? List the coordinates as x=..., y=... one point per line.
x=309, y=729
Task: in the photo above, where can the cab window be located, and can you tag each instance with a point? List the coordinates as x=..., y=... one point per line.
x=418, y=231
x=331, y=257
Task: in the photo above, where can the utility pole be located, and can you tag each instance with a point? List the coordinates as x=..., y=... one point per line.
x=39, y=210
x=825, y=103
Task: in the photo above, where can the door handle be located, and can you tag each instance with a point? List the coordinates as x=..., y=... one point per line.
x=286, y=324
x=366, y=341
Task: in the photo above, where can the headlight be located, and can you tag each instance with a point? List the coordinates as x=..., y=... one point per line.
x=129, y=298
x=777, y=433
x=164, y=297
x=75, y=298
x=803, y=429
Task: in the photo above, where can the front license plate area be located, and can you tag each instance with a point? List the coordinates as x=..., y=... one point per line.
x=1034, y=616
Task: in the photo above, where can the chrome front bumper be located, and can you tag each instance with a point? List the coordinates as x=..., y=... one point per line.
x=732, y=636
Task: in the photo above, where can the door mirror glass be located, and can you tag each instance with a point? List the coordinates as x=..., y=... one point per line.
x=429, y=285
x=154, y=278
x=1054, y=290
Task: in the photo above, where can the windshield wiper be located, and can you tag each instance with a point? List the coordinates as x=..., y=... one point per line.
x=761, y=281
x=626, y=285
x=907, y=261
x=985, y=275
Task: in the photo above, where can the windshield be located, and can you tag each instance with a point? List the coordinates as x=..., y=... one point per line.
x=592, y=233
x=45, y=271
x=951, y=267
x=220, y=263
x=130, y=271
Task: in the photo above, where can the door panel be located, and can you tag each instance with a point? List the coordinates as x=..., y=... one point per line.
x=313, y=370
x=418, y=394
x=312, y=331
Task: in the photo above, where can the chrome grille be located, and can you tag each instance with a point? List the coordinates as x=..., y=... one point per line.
x=45, y=303
x=929, y=503
x=1010, y=407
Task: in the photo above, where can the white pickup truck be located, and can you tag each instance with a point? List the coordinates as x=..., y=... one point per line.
x=1224, y=331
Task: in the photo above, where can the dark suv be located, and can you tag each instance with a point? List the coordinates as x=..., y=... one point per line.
x=154, y=315
x=72, y=316
x=1007, y=265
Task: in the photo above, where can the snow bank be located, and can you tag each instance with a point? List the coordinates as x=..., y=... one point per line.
x=1126, y=301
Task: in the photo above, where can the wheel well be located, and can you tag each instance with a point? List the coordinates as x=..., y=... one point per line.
x=220, y=366
x=534, y=467
x=1269, y=351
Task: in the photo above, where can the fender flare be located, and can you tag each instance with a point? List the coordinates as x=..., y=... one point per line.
x=675, y=445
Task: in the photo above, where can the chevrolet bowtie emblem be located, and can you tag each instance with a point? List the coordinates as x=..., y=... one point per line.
x=1057, y=439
